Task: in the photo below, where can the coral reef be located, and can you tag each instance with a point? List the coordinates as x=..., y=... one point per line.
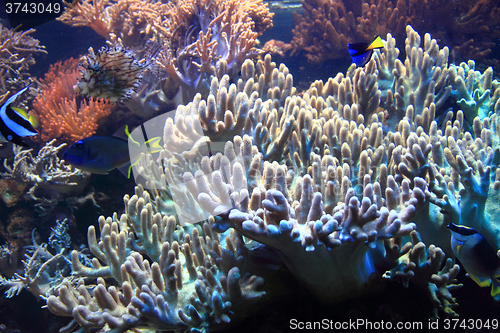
x=322, y=178
x=198, y=44
x=192, y=280
x=313, y=206
x=44, y=171
x=196, y=35
x=479, y=22
x=9, y=259
x=17, y=54
x=327, y=26
x=41, y=270
x=349, y=184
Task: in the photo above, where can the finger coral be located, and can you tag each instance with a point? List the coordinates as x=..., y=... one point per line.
x=193, y=280
x=311, y=176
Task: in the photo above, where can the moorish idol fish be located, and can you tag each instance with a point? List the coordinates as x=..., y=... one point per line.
x=477, y=257
x=15, y=123
x=361, y=53
x=101, y=154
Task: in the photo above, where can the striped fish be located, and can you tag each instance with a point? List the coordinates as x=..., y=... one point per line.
x=14, y=122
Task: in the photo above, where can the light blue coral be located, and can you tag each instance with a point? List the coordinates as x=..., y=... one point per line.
x=184, y=284
x=477, y=94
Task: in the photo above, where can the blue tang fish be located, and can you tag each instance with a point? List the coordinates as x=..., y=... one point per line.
x=361, y=53
x=101, y=154
x=477, y=257
x=15, y=124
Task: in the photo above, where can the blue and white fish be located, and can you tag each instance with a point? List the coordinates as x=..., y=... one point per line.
x=15, y=124
x=361, y=53
x=477, y=257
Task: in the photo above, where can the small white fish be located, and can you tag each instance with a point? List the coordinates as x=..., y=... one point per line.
x=15, y=124
x=477, y=257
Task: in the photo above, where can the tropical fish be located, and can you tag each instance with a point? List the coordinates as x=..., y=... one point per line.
x=477, y=257
x=361, y=53
x=15, y=124
x=114, y=73
x=101, y=154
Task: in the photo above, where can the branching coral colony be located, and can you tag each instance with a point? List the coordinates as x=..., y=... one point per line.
x=17, y=54
x=337, y=179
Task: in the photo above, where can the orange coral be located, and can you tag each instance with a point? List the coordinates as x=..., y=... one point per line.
x=88, y=13
x=278, y=47
x=133, y=21
x=203, y=34
x=59, y=112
